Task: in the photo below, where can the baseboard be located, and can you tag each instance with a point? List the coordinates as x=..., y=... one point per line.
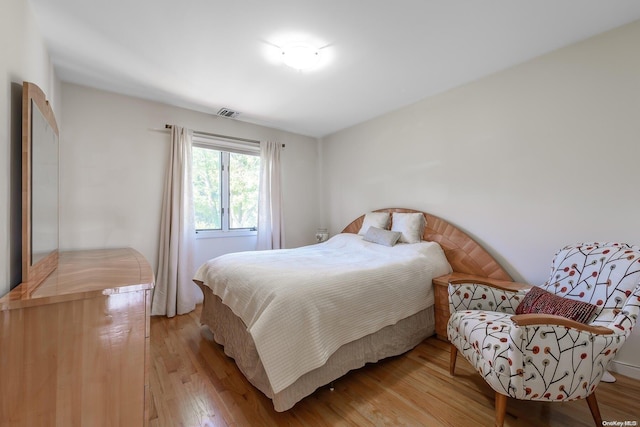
x=625, y=369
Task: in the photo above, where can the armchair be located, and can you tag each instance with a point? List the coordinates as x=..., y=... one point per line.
x=544, y=356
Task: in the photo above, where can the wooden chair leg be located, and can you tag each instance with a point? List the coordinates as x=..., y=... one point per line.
x=595, y=411
x=501, y=409
x=453, y=354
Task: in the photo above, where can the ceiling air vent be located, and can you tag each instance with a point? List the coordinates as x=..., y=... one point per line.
x=226, y=112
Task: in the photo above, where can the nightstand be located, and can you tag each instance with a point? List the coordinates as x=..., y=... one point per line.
x=441, y=296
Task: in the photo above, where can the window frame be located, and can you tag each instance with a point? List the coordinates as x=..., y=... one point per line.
x=225, y=147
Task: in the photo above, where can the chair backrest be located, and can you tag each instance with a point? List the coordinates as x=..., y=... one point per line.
x=604, y=274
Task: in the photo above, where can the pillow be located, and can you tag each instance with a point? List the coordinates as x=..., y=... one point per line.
x=381, y=237
x=410, y=225
x=537, y=300
x=375, y=219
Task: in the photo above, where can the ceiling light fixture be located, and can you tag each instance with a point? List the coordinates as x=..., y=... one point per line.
x=300, y=56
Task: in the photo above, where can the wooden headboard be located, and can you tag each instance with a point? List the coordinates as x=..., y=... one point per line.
x=464, y=254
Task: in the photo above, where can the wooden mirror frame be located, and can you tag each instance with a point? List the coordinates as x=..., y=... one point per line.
x=33, y=274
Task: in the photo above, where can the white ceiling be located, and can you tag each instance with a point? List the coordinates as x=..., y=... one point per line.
x=379, y=55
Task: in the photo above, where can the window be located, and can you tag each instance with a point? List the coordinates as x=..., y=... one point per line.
x=225, y=178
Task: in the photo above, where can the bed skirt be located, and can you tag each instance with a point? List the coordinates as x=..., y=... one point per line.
x=230, y=332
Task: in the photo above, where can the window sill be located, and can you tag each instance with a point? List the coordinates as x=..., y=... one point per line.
x=215, y=234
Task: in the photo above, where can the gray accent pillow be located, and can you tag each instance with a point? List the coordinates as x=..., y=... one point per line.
x=381, y=237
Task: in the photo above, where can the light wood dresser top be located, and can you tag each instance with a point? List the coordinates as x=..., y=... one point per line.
x=82, y=273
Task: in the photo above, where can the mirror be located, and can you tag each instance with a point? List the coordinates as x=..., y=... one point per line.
x=44, y=187
x=39, y=186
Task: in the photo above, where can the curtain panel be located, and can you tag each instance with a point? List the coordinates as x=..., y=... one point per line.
x=175, y=292
x=270, y=221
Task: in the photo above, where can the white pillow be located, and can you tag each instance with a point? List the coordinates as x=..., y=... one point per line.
x=375, y=219
x=410, y=225
x=381, y=237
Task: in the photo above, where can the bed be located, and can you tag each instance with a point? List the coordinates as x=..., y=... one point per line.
x=297, y=319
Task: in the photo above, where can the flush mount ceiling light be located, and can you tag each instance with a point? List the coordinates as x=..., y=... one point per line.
x=300, y=56
x=299, y=51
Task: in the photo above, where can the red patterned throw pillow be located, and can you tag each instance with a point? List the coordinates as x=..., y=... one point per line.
x=537, y=300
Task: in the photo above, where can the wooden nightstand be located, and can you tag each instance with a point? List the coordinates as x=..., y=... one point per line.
x=441, y=296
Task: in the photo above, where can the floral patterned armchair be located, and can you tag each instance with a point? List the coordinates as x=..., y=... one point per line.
x=543, y=356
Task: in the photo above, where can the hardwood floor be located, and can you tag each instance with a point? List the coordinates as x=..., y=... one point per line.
x=193, y=383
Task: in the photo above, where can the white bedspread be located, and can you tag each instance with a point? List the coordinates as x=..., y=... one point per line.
x=300, y=305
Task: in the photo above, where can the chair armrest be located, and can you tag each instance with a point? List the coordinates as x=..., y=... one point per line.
x=496, y=284
x=485, y=294
x=551, y=319
x=626, y=318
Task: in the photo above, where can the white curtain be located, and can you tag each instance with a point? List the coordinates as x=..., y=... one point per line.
x=270, y=230
x=175, y=292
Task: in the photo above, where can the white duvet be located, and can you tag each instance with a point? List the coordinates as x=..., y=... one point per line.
x=300, y=305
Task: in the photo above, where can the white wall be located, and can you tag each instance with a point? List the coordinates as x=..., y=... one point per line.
x=526, y=160
x=113, y=153
x=23, y=57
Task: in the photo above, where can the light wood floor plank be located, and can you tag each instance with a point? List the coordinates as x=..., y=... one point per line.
x=193, y=383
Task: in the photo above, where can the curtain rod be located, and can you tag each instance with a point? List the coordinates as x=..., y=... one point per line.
x=215, y=135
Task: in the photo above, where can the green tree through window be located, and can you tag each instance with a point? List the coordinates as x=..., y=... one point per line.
x=207, y=188
x=225, y=189
x=244, y=179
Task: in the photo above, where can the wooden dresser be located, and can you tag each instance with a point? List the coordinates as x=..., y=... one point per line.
x=74, y=350
x=441, y=296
